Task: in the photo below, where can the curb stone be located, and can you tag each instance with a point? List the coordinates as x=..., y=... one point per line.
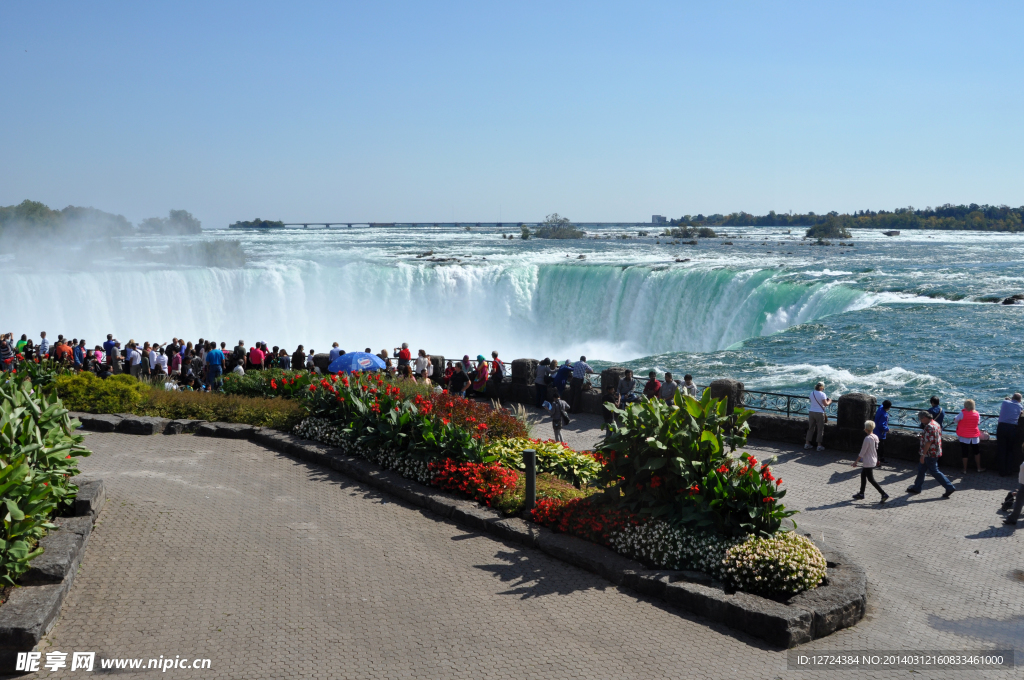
x=840, y=602
x=32, y=609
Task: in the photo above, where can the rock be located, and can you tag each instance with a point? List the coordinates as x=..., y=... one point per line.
x=145, y=425
x=1014, y=299
x=524, y=371
x=183, y=426
x=853, y=409
x=322, y=361
x=610, y=377
x=98, y=422
x=725, y=387
x=60, y=549
x=91, y=494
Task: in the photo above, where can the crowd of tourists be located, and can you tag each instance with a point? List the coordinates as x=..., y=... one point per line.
x=559, y=387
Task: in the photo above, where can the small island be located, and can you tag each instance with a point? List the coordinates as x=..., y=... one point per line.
x=258, y=224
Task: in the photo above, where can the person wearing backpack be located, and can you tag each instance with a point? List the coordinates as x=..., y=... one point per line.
x=559, y=417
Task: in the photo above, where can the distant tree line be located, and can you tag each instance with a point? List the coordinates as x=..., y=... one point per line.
x=260, y=224
x=973, y=217
x=37, y=220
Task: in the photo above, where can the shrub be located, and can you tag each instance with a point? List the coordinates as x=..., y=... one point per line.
x=116, y=394
x=270, y=383
x=671, y=462
x=501, y=424
x=553, y=457
x=783, y=564
x=38, y=457
x=281, y=414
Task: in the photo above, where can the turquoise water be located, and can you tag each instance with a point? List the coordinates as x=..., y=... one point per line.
x=901, y=317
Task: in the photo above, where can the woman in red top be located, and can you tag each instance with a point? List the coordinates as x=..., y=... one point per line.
x=968, y=432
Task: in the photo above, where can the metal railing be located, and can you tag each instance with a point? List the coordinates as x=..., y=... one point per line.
x=902, y=417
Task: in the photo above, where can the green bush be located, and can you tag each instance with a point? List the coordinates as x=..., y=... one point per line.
x=38, y=457
x=674, y=463
x=281, y=414
x=116, y=394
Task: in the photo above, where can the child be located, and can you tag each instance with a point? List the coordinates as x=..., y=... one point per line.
x=869, y=456
x=559, y=409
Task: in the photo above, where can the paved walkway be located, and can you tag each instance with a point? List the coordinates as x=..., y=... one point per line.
x=272, y=568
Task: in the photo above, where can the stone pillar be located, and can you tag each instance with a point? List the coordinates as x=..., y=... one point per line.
x=732, y=389
x=438, y=363
x=854, y=409
x=524, y=371
x=610, y=377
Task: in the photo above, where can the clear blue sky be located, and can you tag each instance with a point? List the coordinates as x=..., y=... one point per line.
x=425, y=111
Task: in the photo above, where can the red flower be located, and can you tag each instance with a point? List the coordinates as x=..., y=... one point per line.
x=723, y=469
x=655, y=481
x=778, y=482
x=769, y=499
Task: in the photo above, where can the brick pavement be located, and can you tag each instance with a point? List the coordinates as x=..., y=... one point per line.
x=273, y=568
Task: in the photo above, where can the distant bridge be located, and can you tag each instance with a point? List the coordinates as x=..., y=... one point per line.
x=456, y=225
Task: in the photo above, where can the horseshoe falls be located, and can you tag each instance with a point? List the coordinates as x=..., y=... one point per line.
x=903, y=317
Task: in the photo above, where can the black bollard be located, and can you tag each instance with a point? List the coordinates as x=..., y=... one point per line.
x=530, y=460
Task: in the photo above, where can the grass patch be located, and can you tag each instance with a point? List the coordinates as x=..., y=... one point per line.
x=548, y=486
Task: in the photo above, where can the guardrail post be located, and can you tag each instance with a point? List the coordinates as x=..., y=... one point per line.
x=530, y=460
x=788, y=399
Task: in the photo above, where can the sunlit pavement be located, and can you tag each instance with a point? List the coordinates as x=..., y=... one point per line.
x=273, y=568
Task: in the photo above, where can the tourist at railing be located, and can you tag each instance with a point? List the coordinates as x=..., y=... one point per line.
x=653, y=386
x=668, y=389
x=816, y=416
x=404, y=355
x=497, y=367
x=1006, y=433
x=688, y=387
x=611, y=398
x=44, y=345
x=930, y=450
x=579, y=373
x=627, y=388
x=459, y=380
x=882, y=429
x=540, y=382
x=561, y=377
x=938, y=415
x=868, y=458
x=968, y=433
x=422, y=363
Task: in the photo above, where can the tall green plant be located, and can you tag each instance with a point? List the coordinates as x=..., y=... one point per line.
x=674, y=462
x=38, y=458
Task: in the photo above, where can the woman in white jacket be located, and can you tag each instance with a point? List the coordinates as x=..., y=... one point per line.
x=869, y=458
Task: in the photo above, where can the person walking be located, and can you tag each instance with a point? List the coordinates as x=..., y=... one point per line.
x=540, y=382
x=1019, y=501
x=816, y=416
x=930, y=450
x=1006, y=433
x=968, y=433
x=559, y=417
x=868, y=458
x=881, y=429
x=579, y=374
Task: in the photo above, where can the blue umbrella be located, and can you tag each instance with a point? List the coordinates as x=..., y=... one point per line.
x=356, y=361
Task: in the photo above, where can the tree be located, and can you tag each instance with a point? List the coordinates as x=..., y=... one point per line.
x=832, y=228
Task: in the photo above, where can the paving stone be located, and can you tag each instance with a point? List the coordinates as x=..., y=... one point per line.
x=276, y=568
